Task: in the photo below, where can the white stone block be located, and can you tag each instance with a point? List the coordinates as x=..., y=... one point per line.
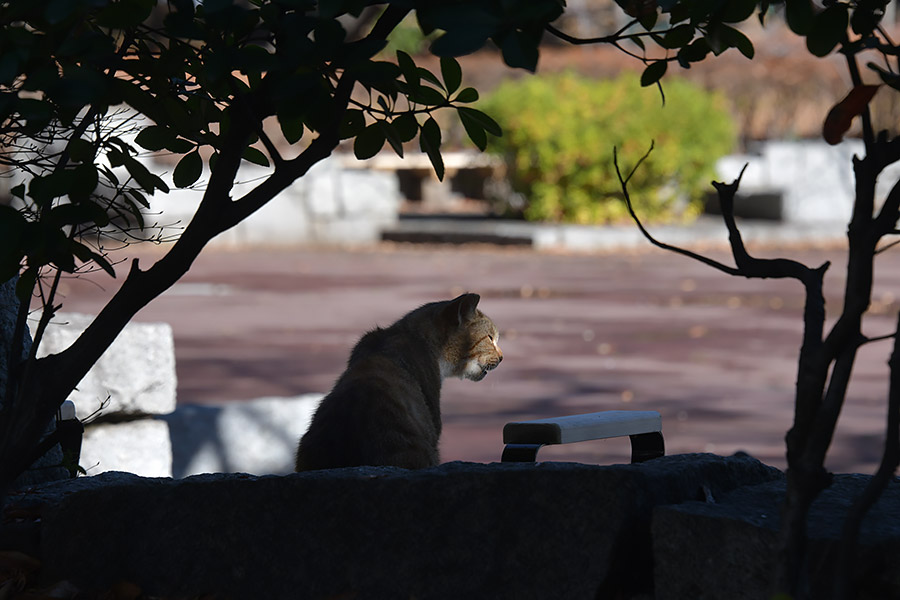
x=142, y=447
x=816, y=180
x=136, y=373
x=258, y=437
x=322, y=190
x=375, y=193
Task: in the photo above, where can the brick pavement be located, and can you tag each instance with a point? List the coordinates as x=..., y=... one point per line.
x=637, y=329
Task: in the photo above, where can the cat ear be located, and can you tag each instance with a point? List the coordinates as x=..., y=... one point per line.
x=462, y=308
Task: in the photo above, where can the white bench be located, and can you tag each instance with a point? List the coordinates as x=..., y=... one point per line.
x=644, y=427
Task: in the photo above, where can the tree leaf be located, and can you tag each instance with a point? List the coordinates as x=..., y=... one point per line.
x=352, y=124
x=452, y=74
x=736, y=11
x=459, y=42
x=408, y=68
x=842, y=114
x=291, y=128
x=473, y=129
x=406, y=126
x=520, y=49
x=467, y=95
x=743, y=44
x=427, y=96
x=429, y=77
x=81, y=150
x=485, y=121
x=153, y=138
x=369, y=142
x=430, y=143
x=62, y=215
x=392, y=137
x=729, y=37
x=829, y=29
x=188, y=170
x=255, y=156
x=83, y=181
x=654, y=72
x=86, y=255
x=864, y=19
x=799, y=15
x=695, y=51
x=122, y=15
x=17, y=192
x=678, y=36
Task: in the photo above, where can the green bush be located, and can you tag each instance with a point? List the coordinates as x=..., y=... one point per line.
x=559, y=135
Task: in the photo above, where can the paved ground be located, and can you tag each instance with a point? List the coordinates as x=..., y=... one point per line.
x=639, y=329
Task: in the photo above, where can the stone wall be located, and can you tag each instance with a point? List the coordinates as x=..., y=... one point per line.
x=724, y=548
x=678, y=527
x=461, y=530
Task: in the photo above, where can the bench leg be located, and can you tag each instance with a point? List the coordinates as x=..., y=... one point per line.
x=520, y=452
x=645, y=446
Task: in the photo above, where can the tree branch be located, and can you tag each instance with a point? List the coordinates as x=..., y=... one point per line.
x=606, y=39
x=747, y=266
x=886, y=221
x=868, y=132
x=890, y=460
x=623, y=182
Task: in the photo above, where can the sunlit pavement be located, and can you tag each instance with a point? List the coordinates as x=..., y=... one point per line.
x=639, y=330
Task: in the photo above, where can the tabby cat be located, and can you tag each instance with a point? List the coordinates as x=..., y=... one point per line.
x=385, y=408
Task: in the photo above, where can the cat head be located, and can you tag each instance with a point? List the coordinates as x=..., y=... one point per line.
x=472, y=345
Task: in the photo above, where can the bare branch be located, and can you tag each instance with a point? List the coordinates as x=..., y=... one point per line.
x=623, y=182
x=749, y=266
x=888, y=246
x=886, y=221
x=878, y=338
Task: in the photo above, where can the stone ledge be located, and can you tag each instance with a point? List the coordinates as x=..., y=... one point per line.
x=460, y=530
x=725, y=549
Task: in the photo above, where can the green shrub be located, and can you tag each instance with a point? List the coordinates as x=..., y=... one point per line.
x=559, y=135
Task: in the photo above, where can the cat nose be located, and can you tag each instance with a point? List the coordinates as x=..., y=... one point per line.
x=499, y=359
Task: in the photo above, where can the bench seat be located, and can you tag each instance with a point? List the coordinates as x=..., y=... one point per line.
x=523, y=439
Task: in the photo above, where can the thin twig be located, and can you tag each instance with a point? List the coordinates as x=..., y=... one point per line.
x=879, y=338
x=887, y=246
